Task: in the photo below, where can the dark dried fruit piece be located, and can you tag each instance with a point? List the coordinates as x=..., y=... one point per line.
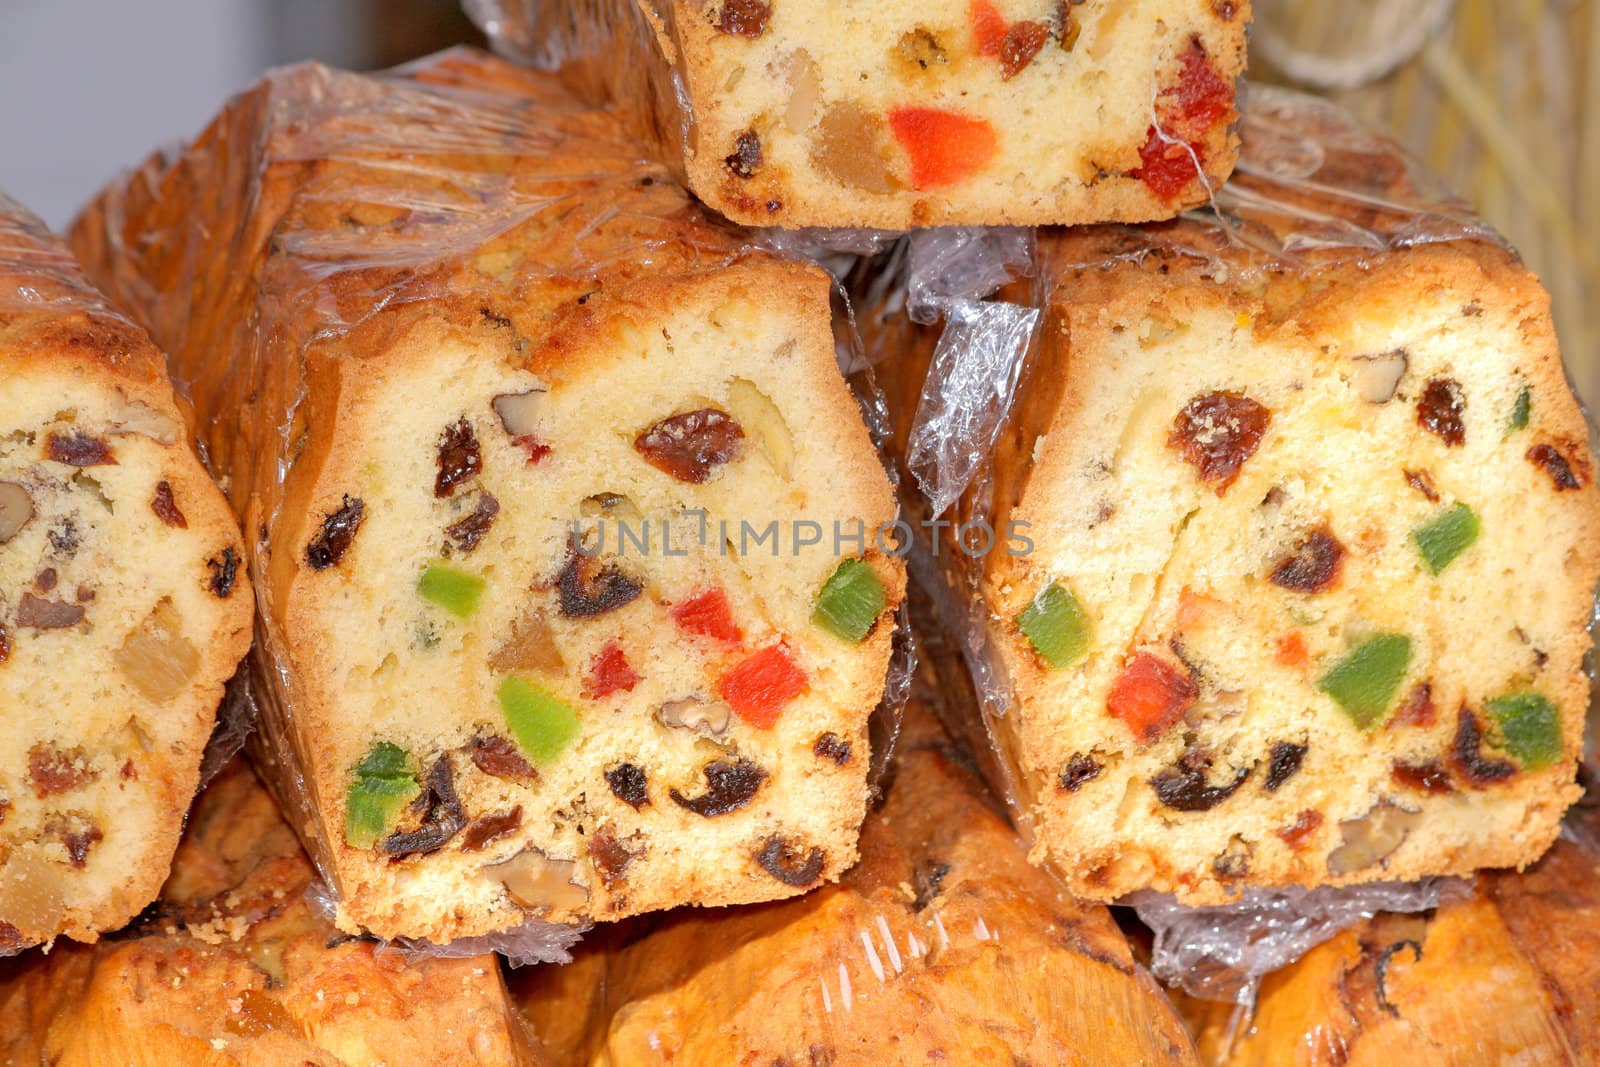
x=5, y=643
x=692, y=445
x=53, y=770
x=224, y=570
x=1422, y=483
x=589, y=587
x=1553, y=463
x=79, y=450
x=1184, y=786
x=1216, y=433
x=1080, y=768
x=43, y=614
x=745, y=159
x=166, y=508
x=1022, y=42
x=744, y=18
x=831, y=746
x=1430, y=777
x=492, y=827
x=729, y=786
x=460, y=458
x=77, y=834
x=1313, y=565
x=45, y=580
x=1233, y=861
x=1440, y=410
x=466, y=532
x=1283, y=763
x=496, y=756
x=789, y=864
x=629, y=784
x=442, y=816
x=338, y=531
x=1305, y=824
x=611, y=856
x=1467, y=756
x=1417, y=709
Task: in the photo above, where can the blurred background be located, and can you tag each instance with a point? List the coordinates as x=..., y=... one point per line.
x=1500, y=96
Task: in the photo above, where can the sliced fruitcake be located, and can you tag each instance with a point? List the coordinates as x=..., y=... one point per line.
x=943, y=920
x=1310, y=539
x=546, y=469
x=901, y=114
x=124, y=606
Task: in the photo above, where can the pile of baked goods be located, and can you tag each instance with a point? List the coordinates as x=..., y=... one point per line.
x=572, y=518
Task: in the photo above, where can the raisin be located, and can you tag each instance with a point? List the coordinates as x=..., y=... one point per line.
x=1423, y=484
x=468, y=531
x=460, y=459
x=224, y=569
x=492, y=827
x=338, y=531
x=1305, y=824
x=927, y=881
x=611, y=857
x=1430, y=777
x=442, y=817
x=729, y=786
x=5, y=643
x=166, y=508
x=786, y=862
x=1233, y=861
x=1022, y=42
x=1477, y=769
x=1417, y=709
x=629, y=784
x=1283, y=762
x=1553, y=463
x=1313, y=565
x=1440, y=409
x=45, y=580
x=84, y=594
x=43, y=614
x=76, y=834
x=1216, y=433
x=589, y=587
x=53, y=771
x=499, y=758
x=744, y=18
x=746, y=157
x=1080, y=768
x=691, y=445
x=1184, y=787
x=831, y=746
x=79, y=450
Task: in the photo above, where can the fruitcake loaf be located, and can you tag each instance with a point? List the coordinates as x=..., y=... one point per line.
x=232, y=966
x=123, y=605
x=1307, y=539
x=545, y=471
x=1510, y=974
x=894, y=115
x=944, y=922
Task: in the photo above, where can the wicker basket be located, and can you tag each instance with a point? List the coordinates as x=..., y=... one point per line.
x=1501, y=97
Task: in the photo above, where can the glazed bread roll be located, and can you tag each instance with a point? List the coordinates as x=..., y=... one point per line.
x=232, y=966
x=1509, y=974
x=942, y=945
x=124, y=605
x=1312, y=540
x=543, y=469
x=899, y=114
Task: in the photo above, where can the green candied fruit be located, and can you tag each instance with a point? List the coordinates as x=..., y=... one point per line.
x=850, y=602
x=1446, y=537
x=385, y=783
x=1530, y=726
x=456, y=591
x=1365, y=681
x=542, y=725
x=1057, y=625
x=1520, y=411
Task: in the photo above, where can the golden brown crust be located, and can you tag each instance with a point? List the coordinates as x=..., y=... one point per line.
x=232, y=966
x=944, y=921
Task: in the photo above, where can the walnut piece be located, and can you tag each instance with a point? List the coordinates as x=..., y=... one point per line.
x=539, y=883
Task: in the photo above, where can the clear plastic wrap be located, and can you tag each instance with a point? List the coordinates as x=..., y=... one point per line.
x=346, y=209
x=943, y=920
x=1313, y=192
